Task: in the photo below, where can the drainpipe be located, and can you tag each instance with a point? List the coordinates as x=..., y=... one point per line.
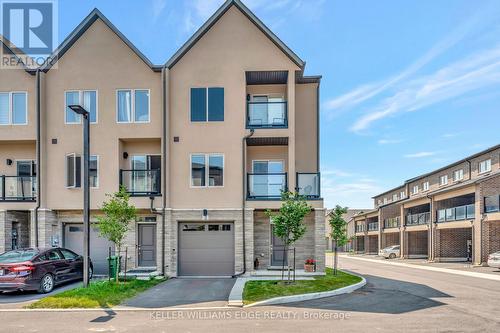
x=431, y=254
x=38, y=154
x=244, y=198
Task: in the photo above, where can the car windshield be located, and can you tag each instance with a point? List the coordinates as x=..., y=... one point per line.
x=17, y=256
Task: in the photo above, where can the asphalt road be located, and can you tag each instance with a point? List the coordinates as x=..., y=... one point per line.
x=396, y=299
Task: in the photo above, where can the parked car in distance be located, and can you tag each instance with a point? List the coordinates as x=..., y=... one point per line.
x=494, y=260
x=390, y=252
x=39, y=269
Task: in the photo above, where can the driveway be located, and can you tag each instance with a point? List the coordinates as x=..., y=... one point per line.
x=11, y=299
x=185, y=292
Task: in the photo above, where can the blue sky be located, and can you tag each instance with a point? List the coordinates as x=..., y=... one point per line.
x=408, y=86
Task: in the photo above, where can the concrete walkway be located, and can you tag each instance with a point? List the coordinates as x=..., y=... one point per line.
x=185, y=292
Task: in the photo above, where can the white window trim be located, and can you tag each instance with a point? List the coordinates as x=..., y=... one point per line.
x=487, y=170
x=132, y=106
x=11, y=107
x=461, y=172
x=402, y=194
x=98, y=171
x=425, y=186
x=207, y=170
x=270, y=160
x=415, y=189
x=66, y=171
x=441, y=183
x=80, y=101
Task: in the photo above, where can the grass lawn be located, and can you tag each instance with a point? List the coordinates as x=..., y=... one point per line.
x=260, y=290
x=100, y=294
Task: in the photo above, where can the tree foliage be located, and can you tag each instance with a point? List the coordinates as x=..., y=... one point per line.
x=338, y=232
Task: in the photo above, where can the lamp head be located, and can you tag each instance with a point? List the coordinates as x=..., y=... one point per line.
x=79, y=110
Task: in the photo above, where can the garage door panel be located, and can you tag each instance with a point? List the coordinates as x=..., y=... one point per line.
x=206, y=249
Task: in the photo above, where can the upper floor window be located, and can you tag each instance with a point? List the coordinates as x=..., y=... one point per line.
x=443, y=180
x=485, y=166
x=132, y=106
x=379, y=202
x=402, y=194
x=207, y=104
x=385, y=201
x=415, y=189
x=394, y=197
x=94, y=171
x=13, y=108
x=458, y=175
x=207, y=170
x=425, y=186
x=73, y=170
x=85, y=98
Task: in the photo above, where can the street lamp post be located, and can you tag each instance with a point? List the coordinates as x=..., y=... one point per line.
x=78, y=109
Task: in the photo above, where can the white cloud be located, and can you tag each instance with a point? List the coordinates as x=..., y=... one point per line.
x=389, y=141
x=421, y=154
x=158, y=6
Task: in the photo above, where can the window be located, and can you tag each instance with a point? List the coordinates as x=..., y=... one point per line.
x=85, y=98
x=443, y=180
x=385, y=201
x=69, y=254
x=394, y=197
x=207, y=104
x=415, y=189
x=13, y=108
x=492, y=204
x=132, y=106
x=402, y=194
x=193, y=227
x=73, y=170
x=458, y=175
x=425, y=186
x=94, y=171
x=207, y=170
x=485, y=166
x=379, y=202
x=55, y=255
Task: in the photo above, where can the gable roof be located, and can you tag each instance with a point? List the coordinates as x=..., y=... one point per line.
x=82, y=28
x=216, y=16
x=10, y=48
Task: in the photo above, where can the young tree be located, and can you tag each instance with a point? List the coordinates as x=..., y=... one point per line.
x=116, y=220
x=289, y=221
x=338, y=233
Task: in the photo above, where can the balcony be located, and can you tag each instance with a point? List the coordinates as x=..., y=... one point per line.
x=392, y=222
x=360, y=228
x=308, y=185
x=418, y=219
x=266, y=186
x=17, y=188
x=267, y=114
x=373, y=226
x=141, y=183
x=459, y=213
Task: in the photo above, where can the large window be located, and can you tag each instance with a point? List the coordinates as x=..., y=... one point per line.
x=207, y=170
x=132, y=106
x=485, y=166
x=85, y=98
x=73, y=170
x=492, y=204
x=13, y=108
x=207, y=104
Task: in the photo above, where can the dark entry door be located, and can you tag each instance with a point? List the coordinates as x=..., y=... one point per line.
x=147, y=245
x=277, y=250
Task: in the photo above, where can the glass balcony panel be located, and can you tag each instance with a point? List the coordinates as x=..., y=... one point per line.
x=266, y=185
x=460, y=213
x=308, y=184
x=17, y=188
x=267, y=114
x=141, y=182
x=471, y=211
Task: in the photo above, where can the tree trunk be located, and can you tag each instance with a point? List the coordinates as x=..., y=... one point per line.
x=117, y=266
x=335, y=259
x=283, y=264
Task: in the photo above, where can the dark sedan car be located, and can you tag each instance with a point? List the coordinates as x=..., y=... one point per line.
x=39, y=269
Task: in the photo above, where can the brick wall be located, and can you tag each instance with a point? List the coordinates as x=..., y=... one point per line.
x=490, y=229
x=417, y=242
x=452, y=242
x=360, y=244
x=389, y=239
x=373, y=244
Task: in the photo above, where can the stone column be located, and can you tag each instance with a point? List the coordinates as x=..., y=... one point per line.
x=5, y=229
x=319, y=239
x=48, y=228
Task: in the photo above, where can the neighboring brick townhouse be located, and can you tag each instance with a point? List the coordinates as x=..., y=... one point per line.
x=450, y=214
x=203, y=143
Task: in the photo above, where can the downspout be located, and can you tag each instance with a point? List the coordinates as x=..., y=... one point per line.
x=431, y=254
x=38, y=154
x=244, y=197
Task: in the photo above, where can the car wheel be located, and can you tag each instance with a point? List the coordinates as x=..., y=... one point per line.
x=46, y=284
x=392, y=256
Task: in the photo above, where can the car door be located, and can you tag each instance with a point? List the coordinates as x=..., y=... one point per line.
x=75, y=263
x=59, y=267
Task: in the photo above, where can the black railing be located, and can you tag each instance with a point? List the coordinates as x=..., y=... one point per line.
x=17, y=188
x=140, y=183
x=266, y=185
x=267, y=114
x=418, y=219
x=309, y=184
x=459, y=213
x=392, y=222
x=360, y=228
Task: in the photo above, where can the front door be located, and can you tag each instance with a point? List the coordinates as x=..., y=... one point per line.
x=277, y=250
x=147, y=245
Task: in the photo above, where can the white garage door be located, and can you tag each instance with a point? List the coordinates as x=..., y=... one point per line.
x=206, y=249
x=99, y=247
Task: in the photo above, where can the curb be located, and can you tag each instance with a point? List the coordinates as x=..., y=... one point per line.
x=120, y=309
x=310, y=296
x=428, y=268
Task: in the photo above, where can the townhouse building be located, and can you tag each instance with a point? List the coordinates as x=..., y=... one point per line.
x=450, y=214
x=204, y=144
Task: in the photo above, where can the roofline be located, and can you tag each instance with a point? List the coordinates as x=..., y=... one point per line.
x=14, y=50
x=87, y=22
x=442, y=168
x=215, y=17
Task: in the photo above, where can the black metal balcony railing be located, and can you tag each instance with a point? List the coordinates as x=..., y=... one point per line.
x=308, y=184
x=267, y=115
x=141, y=182
x=17, y=188
x=418, y=219
x=266, y=185
x=360, y=228
x=373, y=226
x=459, y=213
x=392, y=222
